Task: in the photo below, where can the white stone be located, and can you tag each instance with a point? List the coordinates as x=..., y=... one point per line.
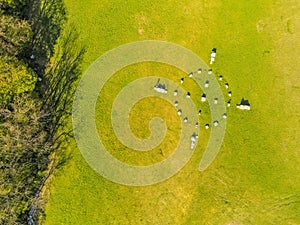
x=160, y=90
x=243, y=107
x=193, y=143
x=206, y=84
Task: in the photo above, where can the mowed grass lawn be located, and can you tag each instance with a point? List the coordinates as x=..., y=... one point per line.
x=255, y=177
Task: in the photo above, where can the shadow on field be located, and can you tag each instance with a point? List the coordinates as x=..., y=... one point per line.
x=244, y=102
x=57, y=90
x=46, y=18
x=58, y=76
x=58, y=87
x=54, y=54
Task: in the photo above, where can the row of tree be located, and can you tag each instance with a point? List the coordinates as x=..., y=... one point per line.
x=36, y=91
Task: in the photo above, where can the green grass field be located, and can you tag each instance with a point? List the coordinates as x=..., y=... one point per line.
x=255, y=178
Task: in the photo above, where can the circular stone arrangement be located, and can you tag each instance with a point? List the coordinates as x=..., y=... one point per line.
x=102, y=69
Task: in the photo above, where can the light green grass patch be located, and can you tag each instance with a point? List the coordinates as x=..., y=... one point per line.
x=255, y=177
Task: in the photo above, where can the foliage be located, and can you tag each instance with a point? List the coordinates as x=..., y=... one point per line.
x=14, y=34
x=17, y=7
x=47, y=19
x=14, y=3
x=15, y=79
x=29, y=122
x=23, y=158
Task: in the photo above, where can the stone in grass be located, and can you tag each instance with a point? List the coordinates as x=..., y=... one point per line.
x=229, y=93
x=206, y=84
x=199, y=71
x=203, y=98
x=206, y=126
x=175, y=93
x=176, y=103
x=194, y=137
x=228, y=104
x=182, y=80
x=191, y=74
x=224, y=115
x=209, y=71
x=199, y=112
x=244, y=105
x=220, y=77
x=216, y=100
x=161, y=88
x=185, y=119
x=213, y=52
x=193, y=143
x=188, y=95
x=216, y=123
x=179, y=112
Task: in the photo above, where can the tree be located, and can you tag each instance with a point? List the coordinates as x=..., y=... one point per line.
x=15, y=34
x=24, y=158
x=15, y=79
x=16, y=7
x=33, y=124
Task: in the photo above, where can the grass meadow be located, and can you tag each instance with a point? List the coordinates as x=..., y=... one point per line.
x=255, y=178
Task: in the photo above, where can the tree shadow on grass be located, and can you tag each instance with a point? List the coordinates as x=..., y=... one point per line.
x=46, y=18
x=60, y=81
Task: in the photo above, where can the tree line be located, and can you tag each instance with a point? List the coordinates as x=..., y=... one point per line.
x=40, y=64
